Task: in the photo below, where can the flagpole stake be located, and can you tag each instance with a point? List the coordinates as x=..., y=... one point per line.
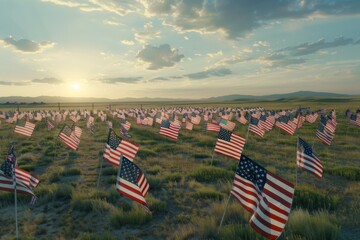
x=212, y=158
x=223, y=216
x=101, y=164
x=16, y=211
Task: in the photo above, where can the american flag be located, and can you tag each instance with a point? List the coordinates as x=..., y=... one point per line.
x=311, y=117
x=255, y=128
x=116, y=146
x=126, y=124
x=90, y=121
x=24, y=127
x=131, y=182
x=265, y=195
x=286, y=125
x=124, y=132
x=212, y=127
x=189, y=126
x=265, y=123
x=169, y=130
x=8, y=175
x=50, y=125
x=195, y=119
x=26, y=178
x=229, y=144
x=307, y=160
x=355, y=119
x=323, y=134
x=77, y=130
x=227, y=124
x=73, y=118
x=68, y=137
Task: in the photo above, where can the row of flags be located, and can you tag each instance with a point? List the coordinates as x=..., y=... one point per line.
x=265, y=195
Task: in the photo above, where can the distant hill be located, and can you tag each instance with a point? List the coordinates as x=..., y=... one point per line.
x=281, y=95
x=56, y=99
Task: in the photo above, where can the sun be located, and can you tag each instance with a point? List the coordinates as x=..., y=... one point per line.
x=75, y=85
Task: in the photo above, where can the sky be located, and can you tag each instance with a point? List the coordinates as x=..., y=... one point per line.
x=178, y=49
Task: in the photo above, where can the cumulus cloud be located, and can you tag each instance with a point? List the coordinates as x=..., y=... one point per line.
x=159, y=57
x=26, y=45
x=313, y=47
x=119, y=80
x=217, y=72
x=236, y=18
x=47, y=80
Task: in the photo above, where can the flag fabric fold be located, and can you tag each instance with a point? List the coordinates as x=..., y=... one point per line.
x=229, y=144
x=131, y=182
x=116, y=146
x=307, y=160
x=266, y=196
x=24, y=127
x=69, y=138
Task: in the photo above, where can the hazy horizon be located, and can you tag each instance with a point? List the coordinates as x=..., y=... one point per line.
x=178, y=49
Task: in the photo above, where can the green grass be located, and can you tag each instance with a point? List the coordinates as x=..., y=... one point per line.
x=189, y=184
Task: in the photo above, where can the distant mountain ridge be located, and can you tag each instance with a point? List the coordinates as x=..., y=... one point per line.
x=56, y=99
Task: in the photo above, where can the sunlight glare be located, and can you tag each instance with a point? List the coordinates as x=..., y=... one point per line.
x=76, y=86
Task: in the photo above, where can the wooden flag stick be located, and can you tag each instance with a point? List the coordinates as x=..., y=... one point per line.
x=223, y=216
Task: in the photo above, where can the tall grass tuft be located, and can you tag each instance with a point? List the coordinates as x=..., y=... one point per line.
x=211, y=174
x=136, y=216
x=321, y=225
x=314, y=199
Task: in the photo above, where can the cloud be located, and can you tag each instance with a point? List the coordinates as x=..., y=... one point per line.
x=5, y=83
x=65, y=3
x=216, y=54
x=159, y=79
x=261, y=44
x=118, y=7
x=146, y=36
x=119, y=80
x=26, y=45
x=279, y=60
x=127, y=42
x=219, y=72
x=235, y=18
x=310, y=48
x=159, y=57
x=111, y=22
x=47, y=80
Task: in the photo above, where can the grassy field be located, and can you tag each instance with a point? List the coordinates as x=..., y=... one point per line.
x=189, y=184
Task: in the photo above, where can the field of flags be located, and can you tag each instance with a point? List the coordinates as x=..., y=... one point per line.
x=266, y=196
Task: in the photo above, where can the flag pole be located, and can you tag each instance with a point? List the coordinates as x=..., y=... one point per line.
x=16, y=211
x=102, y=160
x=223, y=216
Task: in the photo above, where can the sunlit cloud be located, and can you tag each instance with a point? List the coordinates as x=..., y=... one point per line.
x=119, y=80
x=47, y=80
x=26, y=45
x=159, y=57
